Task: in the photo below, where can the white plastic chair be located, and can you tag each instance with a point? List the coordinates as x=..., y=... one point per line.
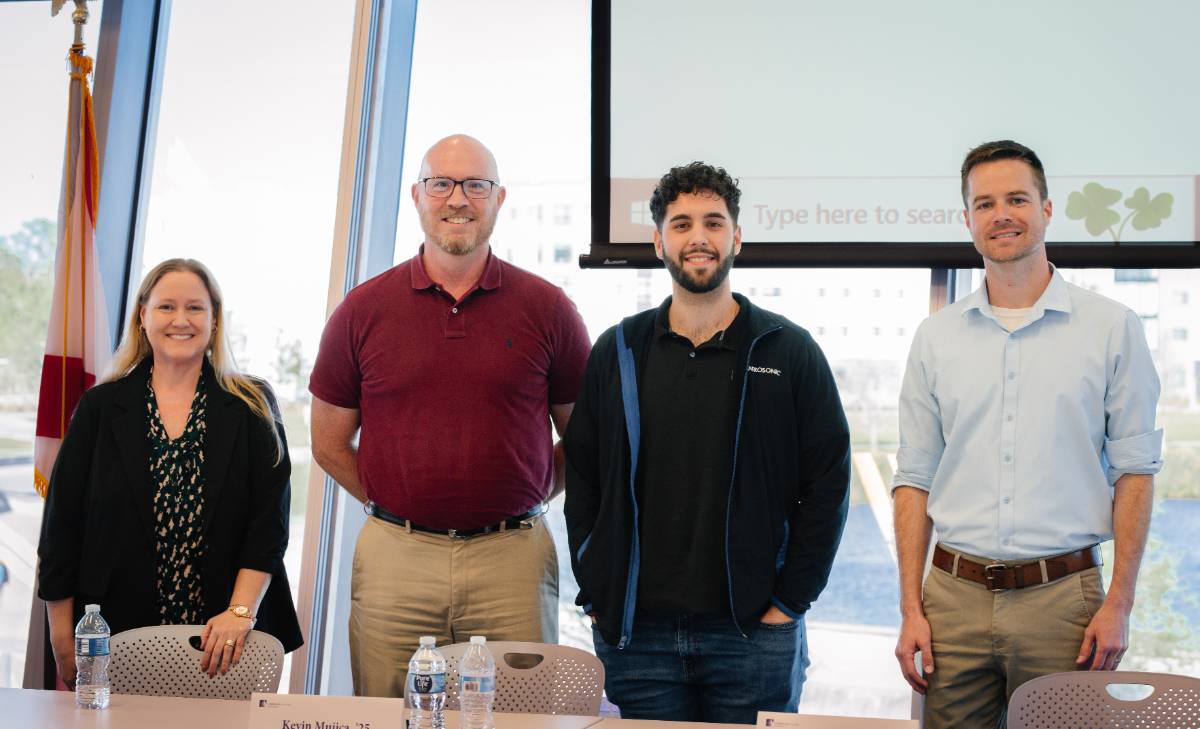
x=160, y=661
x=535, y=678
x=1080, y=700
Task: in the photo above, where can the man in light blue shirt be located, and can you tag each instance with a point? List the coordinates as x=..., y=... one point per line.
x=1026, y=438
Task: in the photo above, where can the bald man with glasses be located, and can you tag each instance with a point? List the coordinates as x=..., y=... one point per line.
x=450, y=368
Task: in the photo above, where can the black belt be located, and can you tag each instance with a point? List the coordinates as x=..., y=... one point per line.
x=524, y=521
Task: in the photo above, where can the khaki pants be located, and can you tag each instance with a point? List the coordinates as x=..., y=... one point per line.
x=408, y=584
x=986, y=644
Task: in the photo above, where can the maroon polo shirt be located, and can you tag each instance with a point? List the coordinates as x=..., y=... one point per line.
x=454, y=395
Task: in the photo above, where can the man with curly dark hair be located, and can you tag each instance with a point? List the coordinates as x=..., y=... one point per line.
x=708, y=467
x=691, y=179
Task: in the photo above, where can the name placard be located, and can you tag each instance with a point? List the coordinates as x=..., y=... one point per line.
x=301, y=711
x=781, y=720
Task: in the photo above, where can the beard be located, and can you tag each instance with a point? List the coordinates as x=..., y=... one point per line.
x=458, y=244
x=692, y=283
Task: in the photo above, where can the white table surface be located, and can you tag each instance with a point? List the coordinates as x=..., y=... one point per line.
x=794, y=721
x=33, y=709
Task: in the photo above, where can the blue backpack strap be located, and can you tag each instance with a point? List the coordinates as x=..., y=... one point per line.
x=629, y=398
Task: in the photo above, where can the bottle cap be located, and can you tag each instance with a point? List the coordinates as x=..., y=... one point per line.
x=427, y=640
x=91, y=609
x=478, y=640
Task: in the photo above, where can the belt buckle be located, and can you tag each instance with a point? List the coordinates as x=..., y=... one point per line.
x=528, y=522
x=453, y=534
x=989, y=575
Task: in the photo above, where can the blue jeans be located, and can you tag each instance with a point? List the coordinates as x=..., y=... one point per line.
x=689, y=668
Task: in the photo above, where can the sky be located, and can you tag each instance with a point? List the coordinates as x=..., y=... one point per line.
x=34, y=82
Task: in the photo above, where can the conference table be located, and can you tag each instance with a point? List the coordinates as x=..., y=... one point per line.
x=34, y=709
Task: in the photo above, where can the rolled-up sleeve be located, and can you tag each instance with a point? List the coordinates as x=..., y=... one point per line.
x=1131, y=442
x=921, y=440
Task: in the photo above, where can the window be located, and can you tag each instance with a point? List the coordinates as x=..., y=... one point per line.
x=1163, y=633
x=562, y=254
x=853, y=626
x=1135, y=275
x=253, y=195
x=562, y=214
x=31, y=147
x=1174, y=378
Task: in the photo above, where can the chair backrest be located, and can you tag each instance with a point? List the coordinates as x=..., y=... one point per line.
x=1081, y=699
x=535, y=678
x=160, y=661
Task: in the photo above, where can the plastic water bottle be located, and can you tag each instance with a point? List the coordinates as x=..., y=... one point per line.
x=91, y=660
x=427, y=687
x=477, y=688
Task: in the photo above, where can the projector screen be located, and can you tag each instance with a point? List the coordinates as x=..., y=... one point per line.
x=846, y=122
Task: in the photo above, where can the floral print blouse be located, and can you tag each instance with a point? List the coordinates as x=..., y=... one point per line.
x=176, y=470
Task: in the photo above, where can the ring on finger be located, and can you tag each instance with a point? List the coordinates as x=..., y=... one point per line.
x=230, y=643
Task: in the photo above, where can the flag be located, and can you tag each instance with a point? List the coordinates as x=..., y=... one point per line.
x=78, y=345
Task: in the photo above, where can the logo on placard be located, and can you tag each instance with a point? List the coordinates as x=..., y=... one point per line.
x=1094, y=206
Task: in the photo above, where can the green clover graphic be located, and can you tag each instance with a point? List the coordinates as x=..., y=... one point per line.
x=1094, y=206
x=1149, y=213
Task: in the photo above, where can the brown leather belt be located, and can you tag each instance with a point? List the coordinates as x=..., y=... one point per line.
x=997, y=576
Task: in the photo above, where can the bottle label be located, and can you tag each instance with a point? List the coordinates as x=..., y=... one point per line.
x=429, y=683
x=479, y=684
x=91, y=646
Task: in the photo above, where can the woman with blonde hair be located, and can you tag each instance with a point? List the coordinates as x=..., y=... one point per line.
x=168, y=503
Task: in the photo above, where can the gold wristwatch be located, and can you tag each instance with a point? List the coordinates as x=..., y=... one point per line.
x=241, y=611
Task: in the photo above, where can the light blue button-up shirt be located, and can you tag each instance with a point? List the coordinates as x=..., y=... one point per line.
x=1019, y=436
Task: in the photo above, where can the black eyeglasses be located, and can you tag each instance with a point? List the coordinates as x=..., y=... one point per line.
x=444, y=186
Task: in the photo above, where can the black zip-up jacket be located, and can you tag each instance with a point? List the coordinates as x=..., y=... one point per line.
x=788, y=495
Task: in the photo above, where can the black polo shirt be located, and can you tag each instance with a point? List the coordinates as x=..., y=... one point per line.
x=689, y=398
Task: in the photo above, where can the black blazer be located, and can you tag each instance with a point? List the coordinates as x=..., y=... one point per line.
x=97, y=540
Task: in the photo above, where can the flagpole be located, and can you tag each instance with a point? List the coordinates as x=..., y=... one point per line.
x=77, y=313
x=80, y=19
